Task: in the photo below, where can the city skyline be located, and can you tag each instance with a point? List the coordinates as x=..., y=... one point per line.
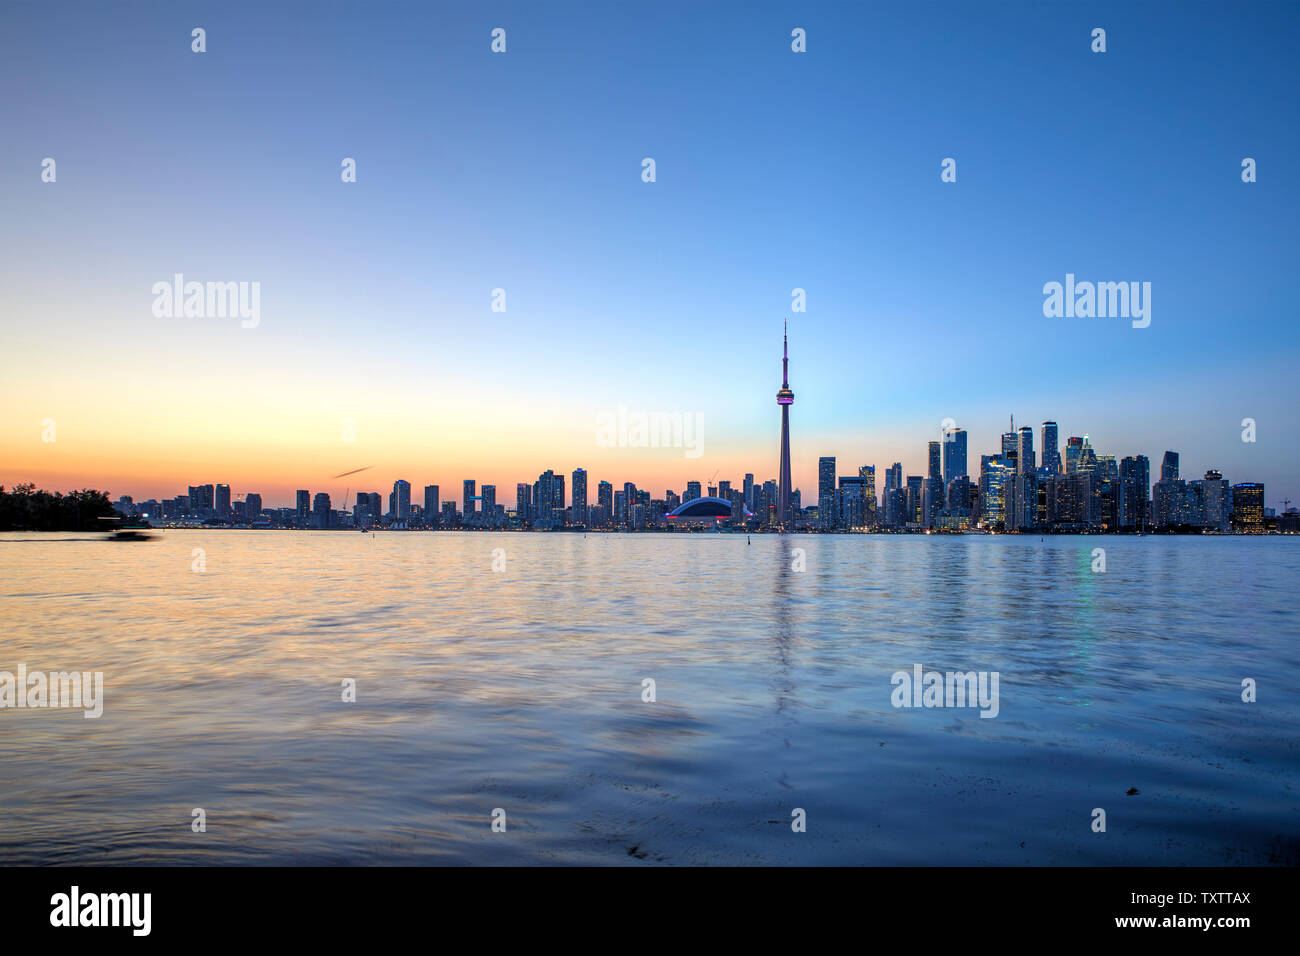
x=923, y=298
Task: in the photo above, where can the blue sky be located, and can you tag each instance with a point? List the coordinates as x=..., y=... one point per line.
x=775, y=170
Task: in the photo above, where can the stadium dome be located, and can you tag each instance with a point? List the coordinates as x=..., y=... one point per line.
x=706, y=508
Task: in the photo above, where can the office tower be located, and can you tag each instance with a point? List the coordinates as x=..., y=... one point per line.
x=468, y=506
x=222, y=504
x=785, y=398
x=201, y=499
x=629, y=503
x=304, y=507
x=1169, y=498
x=1134, y=491
x=957, y=494
x=1009, y=443
x=1073, y=450
x=954, y=455
x=605, y=498
x=1248, y=507
x=771, y=501
x=1215, y=502
x=320, y=511
x=431, y=505
x=931, y=500
x=1025, y=451
x=400, y=503
x=825, y=493
x=545, y=513
x=724, y=490
x=868, y=475
x=935, y=469
x=914, y=502
x=1051, y=451
x=580, y=497
x=524, y=503
x=894, y=476
x=995, y=472
x=1169, y=467
x=253, y=506
x=749, y=491
x=692, y=490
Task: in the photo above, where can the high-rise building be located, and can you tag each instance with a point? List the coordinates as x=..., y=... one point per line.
x=868, y=475
x=997, y=472
x=1215, y=501
x=954, y=455
x=692, y=491
x=431, y=505
x=1073, y=451
x=524, y=503
x=931, y=500
x=915, y=484
x=826, y=493
x=320, y=511
x=935, y=469
x=1169, y=467
x=1051, y=451
x=580, y=497
x=1134, y=493
x=749, y=491
x=1248, y=507
x=304, y=506
x=1025, y=451
x=222, y=504
x=468, y=507
x=253, y=506
x=785, y=398
x=605, y=499
x=401, y=501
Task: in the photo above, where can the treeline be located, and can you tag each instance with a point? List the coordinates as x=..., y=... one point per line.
x=26, y=509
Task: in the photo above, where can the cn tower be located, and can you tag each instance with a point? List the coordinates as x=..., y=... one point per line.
x=784, y=398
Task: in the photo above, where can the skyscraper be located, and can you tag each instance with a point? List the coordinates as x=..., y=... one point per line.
x=320, y=517
x=1134, y=491
x=223, y=500
x=401, y=507
x=580, y=497
x=1169, y=467
x=431, y=505
x=1051, y=448
x=784, y=398
x=935, y=469
x=605, y=498
x=1025, y=451
x=826, y=493
x=1248, y=507
x=954, y=455
x=304, y=506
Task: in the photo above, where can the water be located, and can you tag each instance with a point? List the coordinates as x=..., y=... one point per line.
x=522, y=690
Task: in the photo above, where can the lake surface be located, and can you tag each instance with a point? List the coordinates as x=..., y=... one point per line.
x=522, y=690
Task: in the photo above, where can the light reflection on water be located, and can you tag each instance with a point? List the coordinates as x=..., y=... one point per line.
x=522, y=690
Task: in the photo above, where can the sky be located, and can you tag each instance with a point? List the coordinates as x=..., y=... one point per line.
x=522, y=171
